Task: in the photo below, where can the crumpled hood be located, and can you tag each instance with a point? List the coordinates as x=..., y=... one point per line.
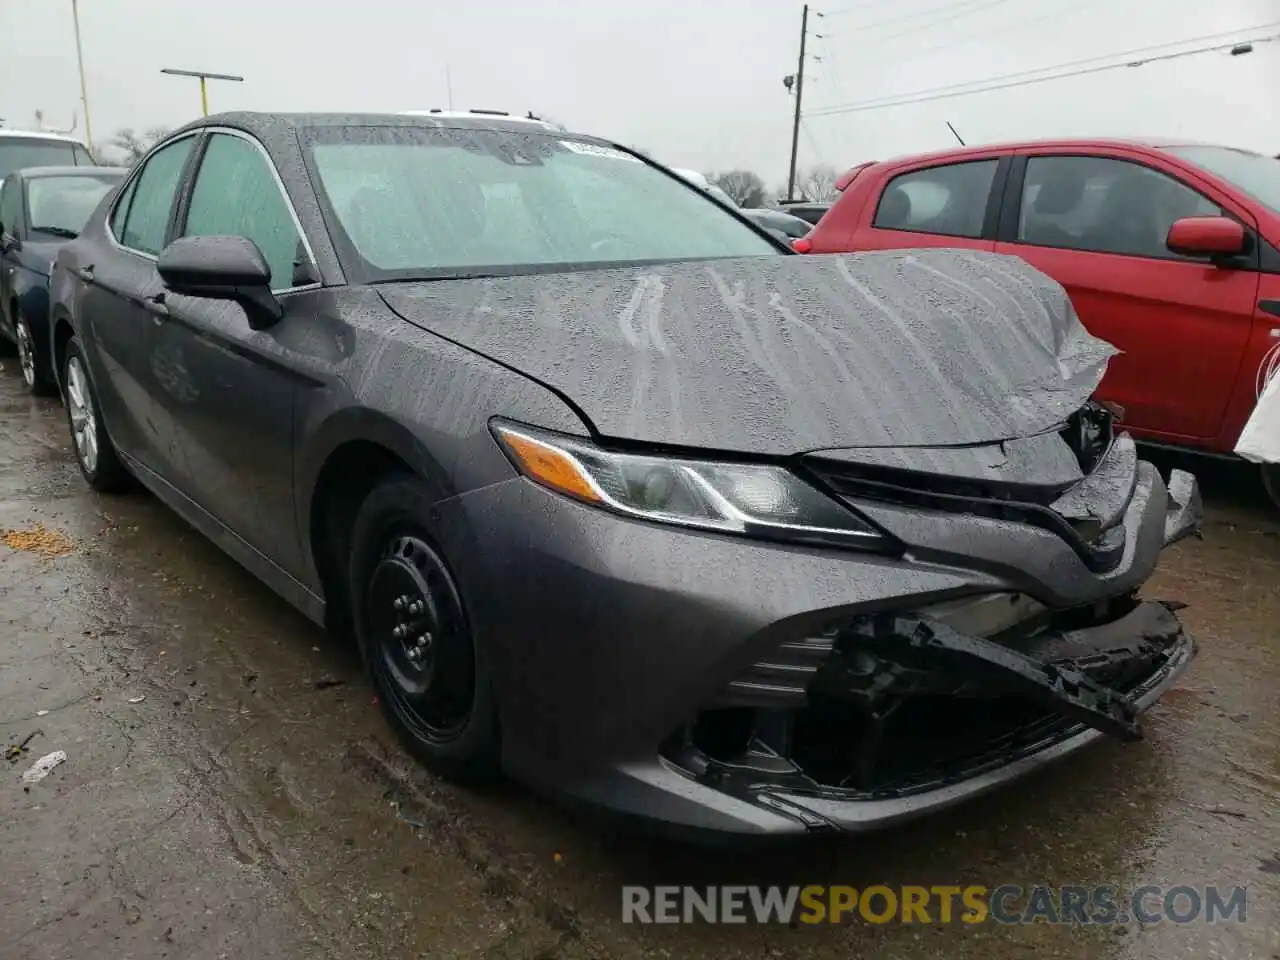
x=787, y=354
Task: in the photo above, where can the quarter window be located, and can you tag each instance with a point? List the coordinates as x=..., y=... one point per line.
x=1105, y=206
x=151, y=203
x=949, y=200
x=237, y=194
x=121, y=212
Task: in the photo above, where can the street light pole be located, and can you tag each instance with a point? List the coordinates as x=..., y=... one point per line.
x=84, y=89
x=203, y=78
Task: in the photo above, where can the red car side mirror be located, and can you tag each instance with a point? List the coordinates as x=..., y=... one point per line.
x=802, y=245
x=1207, y=237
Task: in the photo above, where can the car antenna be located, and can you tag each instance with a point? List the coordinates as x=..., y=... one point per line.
x=953, y=132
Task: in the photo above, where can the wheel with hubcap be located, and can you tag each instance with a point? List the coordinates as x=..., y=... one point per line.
x=415, y=637
x=94, y=451
x=35, y=368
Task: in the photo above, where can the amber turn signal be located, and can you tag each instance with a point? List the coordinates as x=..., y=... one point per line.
x=548, y=466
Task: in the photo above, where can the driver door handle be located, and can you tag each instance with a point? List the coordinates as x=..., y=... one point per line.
x=86, y=273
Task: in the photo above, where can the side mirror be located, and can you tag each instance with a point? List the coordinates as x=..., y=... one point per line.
x=1207, y=237
x=222, y=268
x=802, y=245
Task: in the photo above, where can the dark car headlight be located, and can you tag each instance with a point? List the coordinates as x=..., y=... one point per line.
x=761, y=500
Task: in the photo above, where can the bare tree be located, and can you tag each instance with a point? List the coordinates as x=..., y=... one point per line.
x=818, y=184
x=128, y=146
x=745, y=187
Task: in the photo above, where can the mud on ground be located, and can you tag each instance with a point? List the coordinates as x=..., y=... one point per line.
x=230, y=791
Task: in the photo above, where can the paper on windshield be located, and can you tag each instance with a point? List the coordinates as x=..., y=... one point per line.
x=596, y=150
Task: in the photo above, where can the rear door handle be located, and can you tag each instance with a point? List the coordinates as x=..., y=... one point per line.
x=86, y=273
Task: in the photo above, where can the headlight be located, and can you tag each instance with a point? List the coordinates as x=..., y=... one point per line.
x=754, y=499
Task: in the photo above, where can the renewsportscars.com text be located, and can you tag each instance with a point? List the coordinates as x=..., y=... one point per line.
x=1007, y=904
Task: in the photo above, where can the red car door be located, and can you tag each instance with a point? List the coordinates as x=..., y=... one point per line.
x=1097, y=224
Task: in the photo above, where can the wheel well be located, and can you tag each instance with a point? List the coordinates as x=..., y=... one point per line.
x=62, y=334
x=349, y=473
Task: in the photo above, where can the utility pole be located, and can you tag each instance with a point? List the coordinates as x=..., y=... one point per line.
x=203, y=77
x=799, y=95
x=84, y=90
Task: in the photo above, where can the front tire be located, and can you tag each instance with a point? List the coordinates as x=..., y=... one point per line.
x=432, y=678
x=94, y=451
x=37, y=373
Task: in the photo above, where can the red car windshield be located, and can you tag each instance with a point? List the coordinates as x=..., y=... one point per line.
x=1252, y=173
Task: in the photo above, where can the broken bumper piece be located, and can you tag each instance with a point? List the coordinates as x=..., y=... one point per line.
x=905, y=715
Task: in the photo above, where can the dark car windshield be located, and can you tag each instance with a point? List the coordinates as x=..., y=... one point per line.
x=60, y=206
x=1252, y=173
x=19, y=152
x=435, y=202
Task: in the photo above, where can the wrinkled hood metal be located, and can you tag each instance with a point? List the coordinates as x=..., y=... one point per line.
x=787, y=354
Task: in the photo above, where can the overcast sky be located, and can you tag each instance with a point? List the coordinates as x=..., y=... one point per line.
x=698, y=83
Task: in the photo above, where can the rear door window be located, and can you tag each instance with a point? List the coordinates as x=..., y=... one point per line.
x=949, y=200
x=19, y=152
x=151, y=200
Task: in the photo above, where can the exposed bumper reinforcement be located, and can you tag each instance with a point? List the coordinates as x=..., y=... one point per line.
x=928, y=644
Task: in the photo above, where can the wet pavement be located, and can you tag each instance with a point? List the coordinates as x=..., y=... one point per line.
x=230, y=790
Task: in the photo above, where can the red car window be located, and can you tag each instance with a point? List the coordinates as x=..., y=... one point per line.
x=1104, y=205
x=949, y=200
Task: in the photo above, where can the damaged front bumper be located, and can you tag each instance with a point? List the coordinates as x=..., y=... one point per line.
x=908, y=714
x=715, y=684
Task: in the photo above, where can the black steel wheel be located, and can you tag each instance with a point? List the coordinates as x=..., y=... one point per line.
x=414, y=635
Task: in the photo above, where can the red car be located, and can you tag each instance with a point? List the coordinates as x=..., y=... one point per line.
x=1171, y=251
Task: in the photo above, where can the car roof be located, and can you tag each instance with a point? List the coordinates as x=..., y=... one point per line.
x=38, y=135
x=267, y=126
x=439, y=114
x=279, y=132
x=1079, y=143
x=40, y=173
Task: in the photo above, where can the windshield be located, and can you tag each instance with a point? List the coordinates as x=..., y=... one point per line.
x=1252, y=173
x=17, y=153
x=440, y=202
x=60, y=206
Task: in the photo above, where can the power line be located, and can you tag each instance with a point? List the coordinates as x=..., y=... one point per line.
x=852, y=8
x=954, y=13
x=1015, y=79
x=1072, y=7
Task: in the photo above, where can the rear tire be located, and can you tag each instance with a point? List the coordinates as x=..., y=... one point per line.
x=37, y=373
x=94, y=451
x=432, y=678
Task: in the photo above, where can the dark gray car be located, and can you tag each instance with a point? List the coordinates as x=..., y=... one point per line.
x=612, y=491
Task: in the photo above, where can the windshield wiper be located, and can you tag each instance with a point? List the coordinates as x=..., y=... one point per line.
x=57, y=232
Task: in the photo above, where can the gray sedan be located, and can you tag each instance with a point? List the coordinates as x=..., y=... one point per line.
x=612, y=491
